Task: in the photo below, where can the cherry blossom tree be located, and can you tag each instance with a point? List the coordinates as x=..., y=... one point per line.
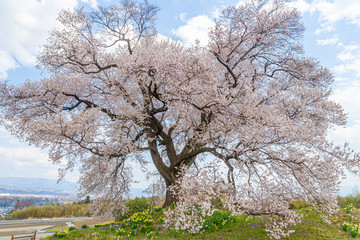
x=116, y=92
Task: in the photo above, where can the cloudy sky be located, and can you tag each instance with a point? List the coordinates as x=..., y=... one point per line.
x=332, y=35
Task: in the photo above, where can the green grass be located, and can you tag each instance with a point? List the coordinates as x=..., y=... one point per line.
x=148, y=225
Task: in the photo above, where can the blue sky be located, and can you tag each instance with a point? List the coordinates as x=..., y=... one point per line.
x=332, y=35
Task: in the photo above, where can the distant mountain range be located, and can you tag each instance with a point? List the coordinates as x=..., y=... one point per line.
x=30, y=191
x=42, y=186
x=38, y=183
x=36, y=186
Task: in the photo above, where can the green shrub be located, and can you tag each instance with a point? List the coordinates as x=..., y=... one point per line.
x=348, y=208
x=349, y=218
x=298, y=204
x=217, y=220
x=353, y=200
x=60, y=234
x=135, y=205
x=353, y=231
x=158, y=209
x=344, y=227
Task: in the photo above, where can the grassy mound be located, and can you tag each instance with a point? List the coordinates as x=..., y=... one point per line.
x=149, y=225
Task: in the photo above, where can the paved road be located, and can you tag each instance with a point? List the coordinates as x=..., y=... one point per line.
x=26, y=228
x=8, y=228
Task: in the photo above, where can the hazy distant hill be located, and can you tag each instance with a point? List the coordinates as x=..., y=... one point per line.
x=35, y=186
x=31, y=191
x=42, y=186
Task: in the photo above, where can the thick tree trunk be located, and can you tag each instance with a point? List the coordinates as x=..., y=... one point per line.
x=170, y=196
x=170, y=175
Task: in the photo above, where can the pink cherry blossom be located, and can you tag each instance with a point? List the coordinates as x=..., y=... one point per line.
x=114, y=93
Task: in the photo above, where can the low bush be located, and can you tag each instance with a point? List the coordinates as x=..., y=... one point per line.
x=217, y=220
x=298, y=204
x=134, y=205
x=351, y=225
x=71, y=228
x=353, y=200
x=60, y=234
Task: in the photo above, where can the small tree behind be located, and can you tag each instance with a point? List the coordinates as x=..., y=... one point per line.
x=21, y=204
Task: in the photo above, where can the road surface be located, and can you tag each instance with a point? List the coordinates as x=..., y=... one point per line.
x=16, y=227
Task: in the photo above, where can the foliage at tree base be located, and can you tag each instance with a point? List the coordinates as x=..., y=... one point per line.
x=148, y=224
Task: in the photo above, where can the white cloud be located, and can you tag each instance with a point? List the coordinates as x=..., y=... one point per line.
x=329, y=41
x=331, y=12
x=349, y=98
x=325, y=27
x=24, y=161
x=347, y=134
x=183, y=17
x=6, y=63
x=196, y=28
x=24, y=27
x=19, y=160
x=301, y=5
x=23, y=164
x=24, y=154
x=350, y=60
x=92, y=3
x=338, y=10
x=350, y=66
x=348, y=53
x=216, y=13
